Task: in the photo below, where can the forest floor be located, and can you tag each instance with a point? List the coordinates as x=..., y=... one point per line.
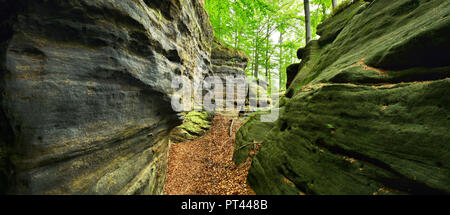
x=205, y=166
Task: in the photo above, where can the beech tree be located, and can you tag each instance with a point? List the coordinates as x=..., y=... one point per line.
x=307, y=21
x=334, y=3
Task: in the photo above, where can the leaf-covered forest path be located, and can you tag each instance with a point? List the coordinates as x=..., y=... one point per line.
x=205, y=166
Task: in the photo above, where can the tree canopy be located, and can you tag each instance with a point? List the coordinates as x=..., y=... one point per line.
x=269, y=31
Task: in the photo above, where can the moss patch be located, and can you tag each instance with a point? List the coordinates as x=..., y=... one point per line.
x=194, y=125
x=367, y=112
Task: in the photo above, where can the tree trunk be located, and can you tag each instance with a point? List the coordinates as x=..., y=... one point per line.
x=235, y=38
x=281, y=76
x=255, y=61
x=239, y=39
x=334, y=3
x=307, y=21
x=220, y=28
x=267, y=51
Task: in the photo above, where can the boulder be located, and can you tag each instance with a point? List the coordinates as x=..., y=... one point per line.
x=195, y=125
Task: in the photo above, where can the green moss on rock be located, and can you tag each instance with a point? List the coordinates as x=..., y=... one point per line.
x=332, y=26
x=195, y=124
x=365, y=114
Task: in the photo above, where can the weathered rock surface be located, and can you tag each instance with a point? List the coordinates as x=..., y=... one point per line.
x=85, y=91
x=310, y=55
x=228, y=62
x=368, y=112
x=291, y=72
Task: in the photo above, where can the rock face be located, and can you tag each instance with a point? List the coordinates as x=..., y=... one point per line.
x=226, y=62
x=229, y=62
x=368, y=111
x=291, y=72
x=85, y=91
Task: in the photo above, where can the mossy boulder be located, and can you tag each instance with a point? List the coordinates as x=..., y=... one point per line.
x=311, y=54
x=228, y=62
x=368, y=112
x=331, y=27
x=195, y=125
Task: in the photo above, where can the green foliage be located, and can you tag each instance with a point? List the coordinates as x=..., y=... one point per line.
x=269, y=31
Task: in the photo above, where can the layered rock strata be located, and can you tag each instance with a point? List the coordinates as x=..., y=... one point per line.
x=85, y=91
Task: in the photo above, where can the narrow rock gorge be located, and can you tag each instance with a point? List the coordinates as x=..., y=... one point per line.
x=367, y=109
x=86, y=99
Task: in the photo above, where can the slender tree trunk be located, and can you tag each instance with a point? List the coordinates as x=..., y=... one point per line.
x=307, y=21
x=334, y=3
x=239, y=39
x=254, y=57
x=267, y=51
x=238, y=45
x=220, y=28
x=280, y=66
x=235, y=38
x=255, y=61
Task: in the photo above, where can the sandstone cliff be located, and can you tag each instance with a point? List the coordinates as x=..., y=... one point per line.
x=225, y=62
x=85, y=91
x=368, y=110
